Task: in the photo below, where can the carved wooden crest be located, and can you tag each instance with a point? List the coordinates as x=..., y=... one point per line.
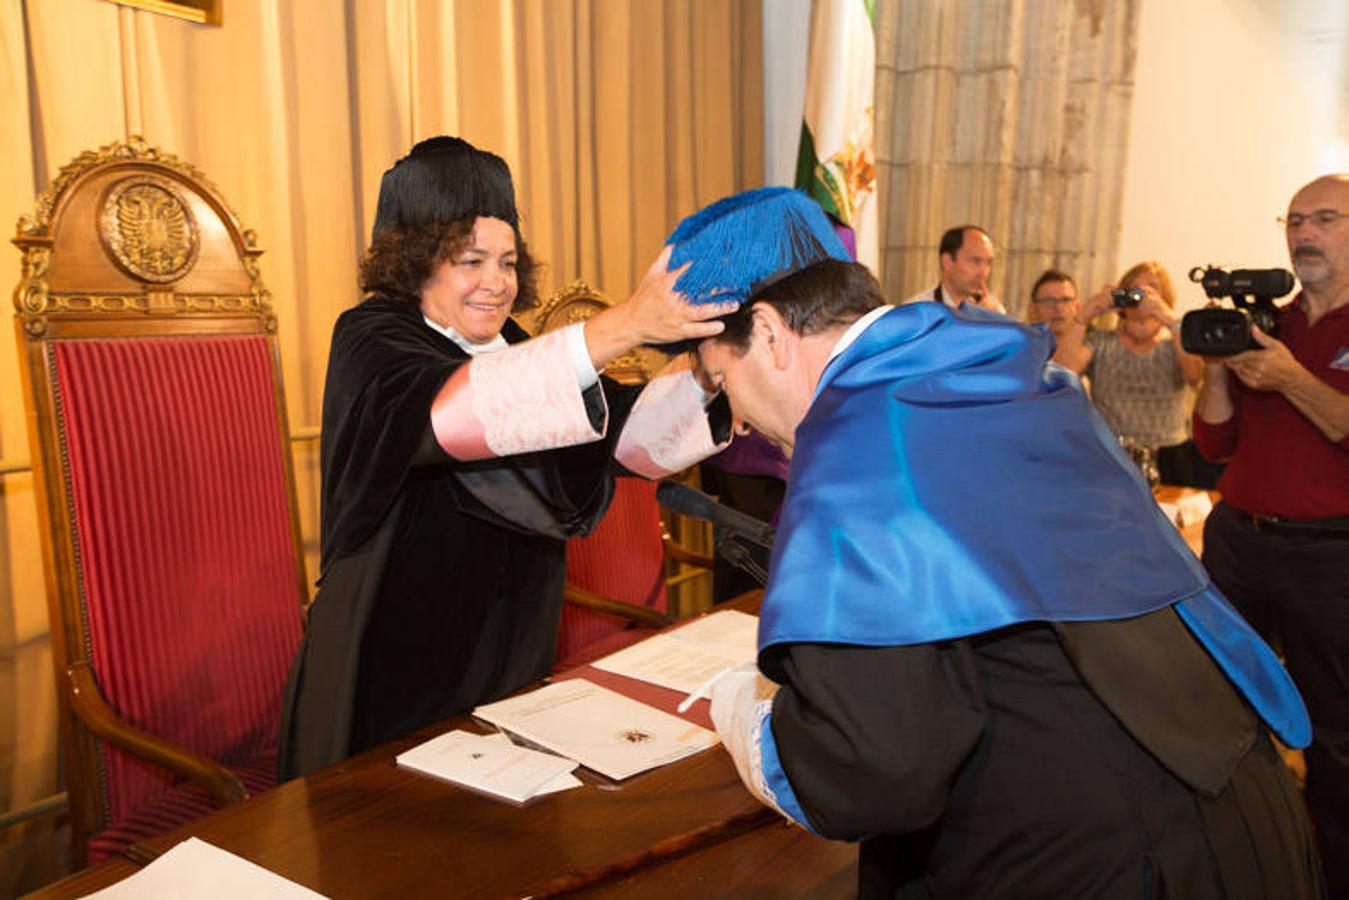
x=159, y=221
x=148, y=229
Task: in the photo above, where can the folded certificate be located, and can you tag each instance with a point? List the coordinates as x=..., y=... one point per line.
x=197, y=870
x=488, y=764
x=564, y=782
x=603, y=730
x=688, y=656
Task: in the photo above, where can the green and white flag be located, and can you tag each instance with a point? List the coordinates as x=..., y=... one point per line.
x=837, y=161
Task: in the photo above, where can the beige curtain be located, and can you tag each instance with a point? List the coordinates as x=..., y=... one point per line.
x=617, y=117
x=1009, y=114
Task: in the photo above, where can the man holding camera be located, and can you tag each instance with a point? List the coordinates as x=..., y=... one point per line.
x=966, y=255
x=1278, y=543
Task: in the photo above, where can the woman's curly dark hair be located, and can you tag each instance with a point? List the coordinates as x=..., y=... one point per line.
x=401, y=260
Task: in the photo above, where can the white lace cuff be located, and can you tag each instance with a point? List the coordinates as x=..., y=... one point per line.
x=752, y=774
x=667, y=430
x=518, y=400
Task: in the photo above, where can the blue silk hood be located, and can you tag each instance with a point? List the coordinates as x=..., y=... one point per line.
x=949, y=480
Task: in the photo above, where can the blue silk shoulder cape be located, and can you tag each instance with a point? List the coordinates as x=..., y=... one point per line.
x=949, y=480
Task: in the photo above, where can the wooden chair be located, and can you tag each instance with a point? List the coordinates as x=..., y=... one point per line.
x=171, y=545
x=618, y=577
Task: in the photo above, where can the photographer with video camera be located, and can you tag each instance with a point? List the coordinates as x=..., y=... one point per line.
x=1278, y=543
x=1141, y=378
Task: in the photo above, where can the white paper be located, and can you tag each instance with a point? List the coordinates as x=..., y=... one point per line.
x=1193, y=508
x=688, y=656
x=561, y=783
x=485, y=763
x=1190, y=508
x=1171, y=511
x=603, y=730
x=196, y=870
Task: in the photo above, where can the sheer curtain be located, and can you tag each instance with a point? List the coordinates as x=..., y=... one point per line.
x=1009, y=114
x=617, y=118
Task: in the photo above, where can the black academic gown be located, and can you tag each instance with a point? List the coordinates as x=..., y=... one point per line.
x=1091, y=759
x=441, y=583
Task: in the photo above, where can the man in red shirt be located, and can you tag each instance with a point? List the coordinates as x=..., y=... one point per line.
x=1278, y=543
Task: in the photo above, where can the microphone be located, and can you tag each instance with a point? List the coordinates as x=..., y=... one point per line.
x=689, y=502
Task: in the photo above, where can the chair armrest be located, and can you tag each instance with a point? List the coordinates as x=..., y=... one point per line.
x=638, y=614
x=87, y=702
x=676, y=552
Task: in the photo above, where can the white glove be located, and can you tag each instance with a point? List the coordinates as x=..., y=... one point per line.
x=741, y=702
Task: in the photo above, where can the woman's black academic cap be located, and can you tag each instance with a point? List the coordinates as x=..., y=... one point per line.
x=445, y=179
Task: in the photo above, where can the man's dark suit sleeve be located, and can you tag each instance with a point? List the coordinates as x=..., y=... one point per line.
x=872, y=738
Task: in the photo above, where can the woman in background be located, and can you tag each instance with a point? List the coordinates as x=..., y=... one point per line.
x=1142, y=380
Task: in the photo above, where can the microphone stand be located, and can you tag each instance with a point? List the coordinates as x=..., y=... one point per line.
x=734, y=551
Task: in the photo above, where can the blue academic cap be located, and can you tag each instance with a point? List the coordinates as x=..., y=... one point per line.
x=745, y=242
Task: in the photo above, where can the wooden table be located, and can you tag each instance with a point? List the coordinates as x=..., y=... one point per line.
x=86, y=881
x=366, y=828
x=778, y=860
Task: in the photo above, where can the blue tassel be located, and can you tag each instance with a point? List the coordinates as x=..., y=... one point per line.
x=750, y=239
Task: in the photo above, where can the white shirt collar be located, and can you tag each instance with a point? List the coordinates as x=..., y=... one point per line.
x=472, y=349
x=853, y=333
x=946, y=297
x=855, y=330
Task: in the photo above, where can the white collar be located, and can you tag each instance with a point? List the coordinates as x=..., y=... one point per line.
x=946, y=297
x=472, y=349
x=855, y=330
x=853, y=333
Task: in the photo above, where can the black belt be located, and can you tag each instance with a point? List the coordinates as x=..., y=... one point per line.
x=1336, y=527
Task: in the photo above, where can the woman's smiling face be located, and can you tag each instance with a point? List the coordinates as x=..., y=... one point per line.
x=473, y=292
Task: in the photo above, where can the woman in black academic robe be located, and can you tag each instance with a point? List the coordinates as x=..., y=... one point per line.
x=458, y=456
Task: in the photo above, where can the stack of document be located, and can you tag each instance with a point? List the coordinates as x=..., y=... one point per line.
x=688, y=657
x=491, y=764
x=603, y=730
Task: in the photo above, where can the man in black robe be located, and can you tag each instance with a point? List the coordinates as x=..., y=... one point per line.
x=992, y=661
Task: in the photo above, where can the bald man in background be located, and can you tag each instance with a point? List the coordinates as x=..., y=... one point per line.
x=1278, y=543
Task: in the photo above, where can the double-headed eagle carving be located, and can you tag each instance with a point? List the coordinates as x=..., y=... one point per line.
x=149, y=230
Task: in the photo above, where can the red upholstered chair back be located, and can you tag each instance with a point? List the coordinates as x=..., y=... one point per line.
x=160, y=444
x=623, y=559
x=185, y=553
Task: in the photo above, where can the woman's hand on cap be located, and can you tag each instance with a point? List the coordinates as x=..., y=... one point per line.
x=658, y=314
x=655, y=314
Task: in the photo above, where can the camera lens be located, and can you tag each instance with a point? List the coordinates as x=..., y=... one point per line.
x=1215, y=332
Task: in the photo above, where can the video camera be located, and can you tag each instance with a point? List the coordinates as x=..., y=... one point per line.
x=1223, y=332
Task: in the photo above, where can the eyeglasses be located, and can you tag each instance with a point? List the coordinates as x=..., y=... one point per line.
x=1052, y=300
x=1322, y=218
